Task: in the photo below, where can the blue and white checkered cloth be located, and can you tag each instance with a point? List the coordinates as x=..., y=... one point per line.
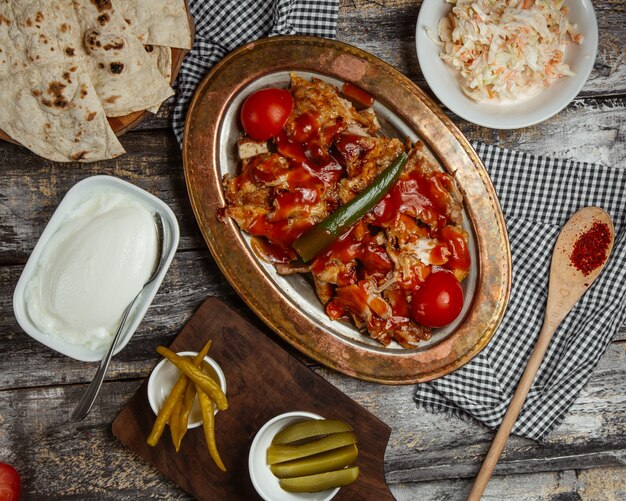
x=538, y=195
x=224, y=25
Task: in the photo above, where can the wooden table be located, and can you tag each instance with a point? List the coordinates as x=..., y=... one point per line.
x=428, y=457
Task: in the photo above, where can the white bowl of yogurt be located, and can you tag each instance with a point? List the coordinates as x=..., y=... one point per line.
x=92, y=259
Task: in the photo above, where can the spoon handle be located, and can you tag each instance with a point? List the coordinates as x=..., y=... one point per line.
x=514, y=410
x=89, y=397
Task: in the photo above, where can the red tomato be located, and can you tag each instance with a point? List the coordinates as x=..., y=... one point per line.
x=438, y=301
x=10, y=485
x=265, y=112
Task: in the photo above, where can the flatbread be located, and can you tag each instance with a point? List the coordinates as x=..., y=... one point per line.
x=126, y=79
x=65, y=65
x=162, y=57
x=158, y=22
x=48, y=102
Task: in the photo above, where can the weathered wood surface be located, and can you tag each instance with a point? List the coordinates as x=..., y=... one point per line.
x=430, y=457
x=249, y=360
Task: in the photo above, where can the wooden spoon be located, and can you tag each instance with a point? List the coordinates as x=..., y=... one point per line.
x=567, y=285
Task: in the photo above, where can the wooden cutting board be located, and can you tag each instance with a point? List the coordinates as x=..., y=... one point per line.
x=263, y=380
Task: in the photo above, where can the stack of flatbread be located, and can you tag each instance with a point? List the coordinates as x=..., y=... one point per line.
x=67, y=65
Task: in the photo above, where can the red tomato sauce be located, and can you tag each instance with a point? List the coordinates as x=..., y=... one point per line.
x=364, y=273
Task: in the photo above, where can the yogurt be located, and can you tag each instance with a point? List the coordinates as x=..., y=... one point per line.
x=92, y=268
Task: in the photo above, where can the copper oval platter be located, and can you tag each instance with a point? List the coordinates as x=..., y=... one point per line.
x=289, y=304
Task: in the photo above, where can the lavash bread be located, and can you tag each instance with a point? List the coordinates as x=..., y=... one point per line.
x=158, y=22
x=47, y=101
x=65, y=65
x=162, y=57
x=123, y=74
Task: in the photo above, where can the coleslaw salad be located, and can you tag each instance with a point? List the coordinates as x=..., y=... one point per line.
x=506, y=49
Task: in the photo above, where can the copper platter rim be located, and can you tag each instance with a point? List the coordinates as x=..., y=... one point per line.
x=420, y=113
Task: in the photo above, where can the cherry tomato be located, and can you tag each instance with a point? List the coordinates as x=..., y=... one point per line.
x=265, y=112
x=10, y=485
x=438, y=301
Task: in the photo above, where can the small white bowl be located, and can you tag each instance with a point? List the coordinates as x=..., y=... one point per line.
x=164, y=377
x=444, y=80
x=264, y=481
x=72, y=199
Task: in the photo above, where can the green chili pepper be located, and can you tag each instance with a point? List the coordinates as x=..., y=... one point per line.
x=309, y=428
x=310, y=244
x=332, y=460
x=321, y=481
x=282, y=453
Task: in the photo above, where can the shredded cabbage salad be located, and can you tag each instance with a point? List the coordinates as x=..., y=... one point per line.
x=505, y=49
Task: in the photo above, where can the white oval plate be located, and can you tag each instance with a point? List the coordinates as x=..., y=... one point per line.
x=79, y=192
x=443, y=80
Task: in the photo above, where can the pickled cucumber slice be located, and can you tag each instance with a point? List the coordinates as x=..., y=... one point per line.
x=282, y=453
x=319, y=463
x=321, y=481
x=309, y=429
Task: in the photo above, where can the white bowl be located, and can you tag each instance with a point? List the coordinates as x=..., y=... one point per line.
x=444, y=80
x=164, y=377
x=264, y=481
x=72, y=199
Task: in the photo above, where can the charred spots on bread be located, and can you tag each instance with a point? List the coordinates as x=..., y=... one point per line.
x=83, y=91
x=117, y=44
x=95, y=41
x=65, y=28
x=149, y=48
x=90, y=116
x=79, y=155
x=116, y=67
x=70, y=51
x=55, y=89
x=112, y=99
x=103, y=19
x=92, y=40
x=102, y=5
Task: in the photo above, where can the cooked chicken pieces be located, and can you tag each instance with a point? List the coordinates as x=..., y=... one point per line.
x=327, y=154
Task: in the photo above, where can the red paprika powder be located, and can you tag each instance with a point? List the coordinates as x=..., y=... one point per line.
x=590, y=248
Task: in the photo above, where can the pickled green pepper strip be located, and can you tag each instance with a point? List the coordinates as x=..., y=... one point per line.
x=309, y=428
x=310, y=244
x=321, y=481
x=332, y=460
x=196, y=375
x=282, y=453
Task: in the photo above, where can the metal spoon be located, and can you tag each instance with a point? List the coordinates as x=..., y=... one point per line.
x=89, y=397
x=567, y=285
